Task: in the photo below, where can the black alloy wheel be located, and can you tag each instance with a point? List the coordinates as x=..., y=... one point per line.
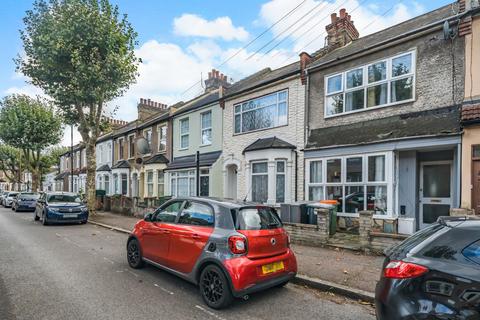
x=134, y=255
x=214, y=288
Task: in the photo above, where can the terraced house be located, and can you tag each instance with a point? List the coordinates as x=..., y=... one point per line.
x=139, y=173
x=196, y=167
x=383, y=120
x=263, y=136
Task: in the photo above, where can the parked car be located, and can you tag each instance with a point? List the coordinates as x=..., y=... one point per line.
x=434, y=274
x=25, y=201
x=60, y=207
x=2, y=194
x=8, y=199
x=229, y=249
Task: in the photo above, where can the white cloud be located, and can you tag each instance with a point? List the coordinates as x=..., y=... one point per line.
x=316, y=15
x=222, y=27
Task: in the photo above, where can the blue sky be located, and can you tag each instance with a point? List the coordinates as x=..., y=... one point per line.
x=181, y=40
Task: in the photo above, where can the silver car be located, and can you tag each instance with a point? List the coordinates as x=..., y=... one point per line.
x=8, y=199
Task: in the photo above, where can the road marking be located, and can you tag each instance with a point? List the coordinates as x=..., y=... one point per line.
x=216, y=316
x=163, y=289
x=106, y=259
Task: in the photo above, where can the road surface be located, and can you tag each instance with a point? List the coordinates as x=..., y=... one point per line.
x=80, y=272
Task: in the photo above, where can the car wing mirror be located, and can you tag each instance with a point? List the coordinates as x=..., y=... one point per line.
x=148, y=217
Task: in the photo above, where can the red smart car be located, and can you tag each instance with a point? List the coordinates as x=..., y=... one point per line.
x=229, y=249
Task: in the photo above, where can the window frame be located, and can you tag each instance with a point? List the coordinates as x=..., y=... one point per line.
x=145, y=133
x=173, y=175
x=284, y=174
x=150, y=184
x=388, y=182
x=131, y=153
x=203, y=174
x=389, y=79
x=160, y=173
x=187, y=134
x=177, y=221
x=121, y=148
x=286, y=90
x=252, y=174
x=162, y=138
x=202, y=129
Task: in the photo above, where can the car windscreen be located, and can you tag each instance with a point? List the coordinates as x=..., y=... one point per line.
x=472, y=252
x=12, y=194
x=63, y=198
x=259, y=218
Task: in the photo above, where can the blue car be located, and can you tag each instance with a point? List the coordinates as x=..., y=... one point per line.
x=61, y=207
x=25, y=201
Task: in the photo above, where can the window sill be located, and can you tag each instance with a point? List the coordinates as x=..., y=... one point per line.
x=205, y=145
x=368, y=109
x=258, y=130
x=183, y=149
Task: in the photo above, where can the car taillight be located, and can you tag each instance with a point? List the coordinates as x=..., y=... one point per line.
x=237, y=244
x=403, y=270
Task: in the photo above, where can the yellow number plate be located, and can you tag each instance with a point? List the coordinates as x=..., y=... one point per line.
x=273, y=267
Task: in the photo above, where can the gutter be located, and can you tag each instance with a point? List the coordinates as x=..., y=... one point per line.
x=437, y=25
x=288, y=75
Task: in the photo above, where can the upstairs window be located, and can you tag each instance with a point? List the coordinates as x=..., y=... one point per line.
x=184, y=133
x=121, y=154
x=206, y=123
x=378, y=84
x=261, y=113
x=148, y=136
x=162, y=138
x=131, y=146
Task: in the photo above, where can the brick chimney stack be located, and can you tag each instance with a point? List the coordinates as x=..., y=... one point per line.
x=341, y=31
x=147, y=108
x=216, y=80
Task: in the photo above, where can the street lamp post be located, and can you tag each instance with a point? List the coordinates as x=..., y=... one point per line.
x=71, y=158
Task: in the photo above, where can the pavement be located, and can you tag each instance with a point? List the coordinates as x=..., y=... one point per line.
x=337, y=270
x=81, y=272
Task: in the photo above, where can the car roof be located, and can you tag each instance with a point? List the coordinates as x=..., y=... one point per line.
x=229, y=203
x=61, y=193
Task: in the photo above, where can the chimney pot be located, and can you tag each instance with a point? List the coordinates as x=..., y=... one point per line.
x=216, y=73
x=333, y=17
x=210, y=75
x=343, y=12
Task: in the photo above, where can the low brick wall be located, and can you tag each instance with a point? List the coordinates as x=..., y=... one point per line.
x=380, y=241
x=305, y=234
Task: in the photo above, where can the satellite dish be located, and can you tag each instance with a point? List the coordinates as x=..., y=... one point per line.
x=448, y=32
x=142, y=146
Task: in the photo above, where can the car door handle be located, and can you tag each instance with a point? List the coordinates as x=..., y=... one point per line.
x=196, y=236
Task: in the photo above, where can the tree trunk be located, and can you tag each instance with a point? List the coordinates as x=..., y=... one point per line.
x=35, y=180
x=91, y=169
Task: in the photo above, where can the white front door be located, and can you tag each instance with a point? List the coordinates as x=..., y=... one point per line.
x=436, y=187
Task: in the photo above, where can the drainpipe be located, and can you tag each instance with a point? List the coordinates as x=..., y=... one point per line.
x=296, y=175
x=198, y=173
x=306, y=109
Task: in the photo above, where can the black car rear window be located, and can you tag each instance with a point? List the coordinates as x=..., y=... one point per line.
x=472, y=252
x=257, y=218
x=416, y=239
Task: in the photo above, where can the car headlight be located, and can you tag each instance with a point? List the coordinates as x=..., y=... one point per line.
x=54, y=209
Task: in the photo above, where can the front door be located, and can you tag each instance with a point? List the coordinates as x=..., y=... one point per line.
x=476, y=186
x=435, y=191
x=190, y=235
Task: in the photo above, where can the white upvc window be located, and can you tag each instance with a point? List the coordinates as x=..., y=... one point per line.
x=182, y=183
x=147, y=134
x=131, y=146
x=265, y=112
x=382, y=83
x=260, y=181
x=357, y=182
x=204, y=182
x=106, y=185
x=160, y=183
x=184, y=133
x=115, y=183
x=150, y=183
x=206, y=127
x=162, y=138
x=280, y=171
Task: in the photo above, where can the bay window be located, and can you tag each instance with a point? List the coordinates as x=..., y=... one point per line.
x=261, y=113
x=260, y=182
x=381, y=83
x=149, y=183
x=182, y=183
x=106, y=186
x=160, y=183
x=357, y=182
x=280, y=181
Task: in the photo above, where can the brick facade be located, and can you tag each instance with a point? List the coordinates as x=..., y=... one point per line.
x=293, y=133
